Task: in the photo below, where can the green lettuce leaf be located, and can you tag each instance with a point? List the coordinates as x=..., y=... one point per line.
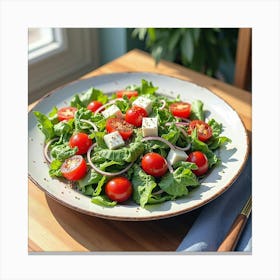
x=176, y=183
x=93, y=94
x=111, y=166
x=45, y=125
x=172, y=134
x=54, y=168
x=62, y=128
x=62, y=151
x=125, y=154
x=145, y=88
x=185, y=164
x=143, y=185
x=99, y=138
x=84, y=114
x=92, y=183
x=103, y=200
x=87, y=190
x=76, y=102
x=155, y=199
x=216, y=128
x=198, y=145
x=53, y=115
x=164, y=116
x=100, y=184
x=83, y=99
x=91, y=177
x=124, y=104
x=216, y=141
x=197, y=112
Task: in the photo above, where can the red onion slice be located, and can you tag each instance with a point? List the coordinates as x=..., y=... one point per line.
x=107, y=104
x=185, y=148
x=185, y=120
x=90, y=123
x=150, y=138
x=101, y=171
x=46, y=150
x=183, y=131
x=183, y=124
x=171, y=170
x=186, y=135
x=163, y=104
x=158, y=192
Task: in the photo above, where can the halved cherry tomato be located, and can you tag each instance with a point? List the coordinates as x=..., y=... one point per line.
x=66, y=113
x=74, y=168
x=81, y=141
x=94, y=105
x=116, y=124
x=128, y=93
x=200, y=160
x=204, y=131
x=154, y=164
x=135, y=115
x=119, y=189
x=180, y=109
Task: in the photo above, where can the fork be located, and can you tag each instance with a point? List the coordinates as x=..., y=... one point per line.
x=236, y=229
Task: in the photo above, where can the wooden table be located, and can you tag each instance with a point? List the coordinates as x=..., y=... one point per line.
x=53, y=227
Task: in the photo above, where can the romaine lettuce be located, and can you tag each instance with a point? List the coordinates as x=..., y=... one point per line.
x=176, y=183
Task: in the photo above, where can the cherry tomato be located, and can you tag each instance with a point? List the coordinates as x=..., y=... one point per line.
x=74, y=168
x=154, y=164
x=128, y=93
x=118, y=189
x=204, y=131
x=135, y=115
x=200, y=160
x=94, y=105
x=180, y=109
x=66, y=113
x=116, y=124
x=81, y=141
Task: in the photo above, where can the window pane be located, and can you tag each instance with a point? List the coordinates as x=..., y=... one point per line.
x=39, y=37
x=44, y=42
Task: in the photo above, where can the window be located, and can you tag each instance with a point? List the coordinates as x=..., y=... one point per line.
x=43, y=42
x=38, y=37
x=57, y=56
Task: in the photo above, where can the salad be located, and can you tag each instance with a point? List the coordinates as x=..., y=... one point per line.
x=132, y=144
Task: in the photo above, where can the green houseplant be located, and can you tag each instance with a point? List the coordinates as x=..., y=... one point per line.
x=206, y=50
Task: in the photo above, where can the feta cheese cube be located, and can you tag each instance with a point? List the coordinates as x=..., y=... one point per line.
x=112, y=111
x=114, y=140
x=149, y=127
x=144, y=103
x=175, y=156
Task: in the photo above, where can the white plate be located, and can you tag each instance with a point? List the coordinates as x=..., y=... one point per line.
x=220, y=179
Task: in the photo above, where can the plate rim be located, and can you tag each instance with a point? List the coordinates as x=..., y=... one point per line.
x=157, y=216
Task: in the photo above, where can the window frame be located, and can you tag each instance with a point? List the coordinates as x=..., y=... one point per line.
x=43, y=51
x=76, y=55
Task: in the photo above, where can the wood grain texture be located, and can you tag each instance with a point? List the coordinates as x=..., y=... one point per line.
x=53, y=227
x=56, y=228
x=233, y=235
x=243, y=57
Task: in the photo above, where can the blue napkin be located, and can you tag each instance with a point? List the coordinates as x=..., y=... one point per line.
x=216, y=218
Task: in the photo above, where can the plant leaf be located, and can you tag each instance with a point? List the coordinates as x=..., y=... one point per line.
x=174, y=39
x=152, y=35
x=196, y=34
x=140, y=32
x=157, y=53
x=187, y=45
